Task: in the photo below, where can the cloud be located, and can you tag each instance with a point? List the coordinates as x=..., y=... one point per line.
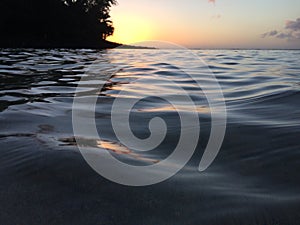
x=285, y=36
x=291, y=31
x=270, y=34
x=293, y=25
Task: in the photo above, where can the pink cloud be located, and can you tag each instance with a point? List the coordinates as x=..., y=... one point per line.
x=291, y=31
x=293, y=25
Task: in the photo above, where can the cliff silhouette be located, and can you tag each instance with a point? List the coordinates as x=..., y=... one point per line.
x=56, y=23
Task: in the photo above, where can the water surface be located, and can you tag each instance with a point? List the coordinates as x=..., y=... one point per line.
x=254, y=180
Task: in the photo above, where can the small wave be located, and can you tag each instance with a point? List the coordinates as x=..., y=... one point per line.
x=257, y=166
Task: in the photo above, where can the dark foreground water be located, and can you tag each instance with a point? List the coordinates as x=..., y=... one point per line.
x=255, y=178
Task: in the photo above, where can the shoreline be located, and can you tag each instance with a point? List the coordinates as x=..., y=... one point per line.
x=101, y=45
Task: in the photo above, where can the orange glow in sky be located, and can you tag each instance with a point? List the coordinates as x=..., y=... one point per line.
x=203, y=23
x=130, y=29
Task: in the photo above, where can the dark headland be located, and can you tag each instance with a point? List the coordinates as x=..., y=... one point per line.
x=56, y=24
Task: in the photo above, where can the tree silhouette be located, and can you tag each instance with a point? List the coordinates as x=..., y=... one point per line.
x=51, y=23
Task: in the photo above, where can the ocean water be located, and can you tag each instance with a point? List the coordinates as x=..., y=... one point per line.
x=254, y=179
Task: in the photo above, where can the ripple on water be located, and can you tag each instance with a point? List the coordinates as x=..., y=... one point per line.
x=255, y=173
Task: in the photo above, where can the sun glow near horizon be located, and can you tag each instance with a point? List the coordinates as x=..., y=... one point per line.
x=131, y=29
x=208, y=24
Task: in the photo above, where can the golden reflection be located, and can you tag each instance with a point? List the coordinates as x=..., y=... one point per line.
x=199, y=109
x=122, y=150
x=106, y=145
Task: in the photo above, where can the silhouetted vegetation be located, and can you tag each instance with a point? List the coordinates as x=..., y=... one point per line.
x=55, y=23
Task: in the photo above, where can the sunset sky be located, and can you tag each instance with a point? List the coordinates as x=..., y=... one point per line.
x=208, y=23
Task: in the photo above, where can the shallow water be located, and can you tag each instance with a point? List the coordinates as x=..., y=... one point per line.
x=254, y=179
